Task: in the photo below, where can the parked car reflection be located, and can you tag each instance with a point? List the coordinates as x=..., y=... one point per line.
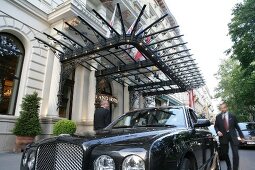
x=212, y=130
x=248, y=129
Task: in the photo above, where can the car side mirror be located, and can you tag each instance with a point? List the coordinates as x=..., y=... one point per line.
x=202, y=123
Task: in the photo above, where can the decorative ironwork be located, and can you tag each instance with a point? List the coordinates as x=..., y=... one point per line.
x=8, y=47
x=133, y=98
x=166, y=65
x=149, y=101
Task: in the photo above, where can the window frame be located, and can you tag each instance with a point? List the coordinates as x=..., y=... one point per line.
x=18, y=72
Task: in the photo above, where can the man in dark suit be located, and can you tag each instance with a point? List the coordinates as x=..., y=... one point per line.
x=102, y=116
x=226, y=125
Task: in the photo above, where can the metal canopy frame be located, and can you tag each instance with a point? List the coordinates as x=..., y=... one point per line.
x=167, y=66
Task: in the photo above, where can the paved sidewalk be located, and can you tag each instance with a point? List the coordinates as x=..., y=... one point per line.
x=9, y=161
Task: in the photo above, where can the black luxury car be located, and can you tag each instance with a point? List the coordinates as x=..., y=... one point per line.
x=248, y=129
x=148, y=139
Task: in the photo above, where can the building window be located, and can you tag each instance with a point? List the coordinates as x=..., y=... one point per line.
x=11, y=61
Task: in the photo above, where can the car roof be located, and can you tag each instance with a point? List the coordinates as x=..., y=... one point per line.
x=161, y=107
x=247, y=122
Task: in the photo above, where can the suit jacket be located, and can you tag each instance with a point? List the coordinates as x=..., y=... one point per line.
x=233, y=126
x=102, y=118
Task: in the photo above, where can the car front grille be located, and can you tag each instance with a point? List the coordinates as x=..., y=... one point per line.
x=59, y=156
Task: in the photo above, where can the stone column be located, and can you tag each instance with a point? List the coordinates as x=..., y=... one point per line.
x=47, y=84
x=50, y=99
x=55, y=70
x=141, y=101
x=91, y=95
x=54, y=87
x=77, y=110
x=126, y=99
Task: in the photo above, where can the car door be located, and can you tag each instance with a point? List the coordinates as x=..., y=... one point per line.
x=196, y=138
x=206, y=140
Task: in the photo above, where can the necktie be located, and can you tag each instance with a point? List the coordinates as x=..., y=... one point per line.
x=225, y=122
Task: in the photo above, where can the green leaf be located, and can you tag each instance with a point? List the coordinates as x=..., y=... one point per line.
x=237, y=88
x=28, y=123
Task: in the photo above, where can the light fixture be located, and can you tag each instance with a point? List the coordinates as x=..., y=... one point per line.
x=104, y=162
x=133, y=162
x=31, y=160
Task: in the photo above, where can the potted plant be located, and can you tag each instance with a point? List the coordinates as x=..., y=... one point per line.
x=64, y=126
x=27, y=125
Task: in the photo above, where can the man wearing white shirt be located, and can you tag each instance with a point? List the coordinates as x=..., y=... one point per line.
x=226, y=125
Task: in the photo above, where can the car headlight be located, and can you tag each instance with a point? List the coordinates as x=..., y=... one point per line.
x=133, y=162
x=24, y=159
x=31, y=160
x=104, y=162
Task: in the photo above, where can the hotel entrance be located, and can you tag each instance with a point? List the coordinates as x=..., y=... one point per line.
x=104, y=92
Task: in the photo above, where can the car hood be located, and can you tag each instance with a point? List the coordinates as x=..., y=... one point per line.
x=115, y=136
x=249, y=133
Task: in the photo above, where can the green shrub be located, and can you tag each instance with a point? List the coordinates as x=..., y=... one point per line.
x=64, y=126
x=28, y=123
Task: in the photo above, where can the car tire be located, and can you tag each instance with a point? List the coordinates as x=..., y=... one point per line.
x=187, y=165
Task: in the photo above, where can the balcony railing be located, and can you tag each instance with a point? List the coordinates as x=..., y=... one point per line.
x=86, y=10
x=46, y=6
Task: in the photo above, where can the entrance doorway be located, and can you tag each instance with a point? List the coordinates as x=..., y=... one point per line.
x=103, y=92
x=11, y=62
x=65, y=110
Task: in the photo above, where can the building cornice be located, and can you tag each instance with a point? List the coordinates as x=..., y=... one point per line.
x=30, y=9
x=70, y=10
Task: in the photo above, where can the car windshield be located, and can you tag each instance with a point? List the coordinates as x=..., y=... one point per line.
x=212, y=130
x=247, y=126
x=171, y=117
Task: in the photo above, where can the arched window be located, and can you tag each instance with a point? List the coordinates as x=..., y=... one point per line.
x=11, y=61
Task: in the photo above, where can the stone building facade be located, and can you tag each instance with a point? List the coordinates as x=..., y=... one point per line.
x=29, y=66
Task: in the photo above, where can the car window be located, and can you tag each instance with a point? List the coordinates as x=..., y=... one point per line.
x=193, y=116
x=247, y=126
x=153, y=117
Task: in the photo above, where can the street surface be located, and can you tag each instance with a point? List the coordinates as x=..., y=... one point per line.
x=11, y=161
x=246, y=159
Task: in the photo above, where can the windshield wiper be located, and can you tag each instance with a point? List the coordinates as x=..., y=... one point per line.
x=151, y=125
x=118, y=127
